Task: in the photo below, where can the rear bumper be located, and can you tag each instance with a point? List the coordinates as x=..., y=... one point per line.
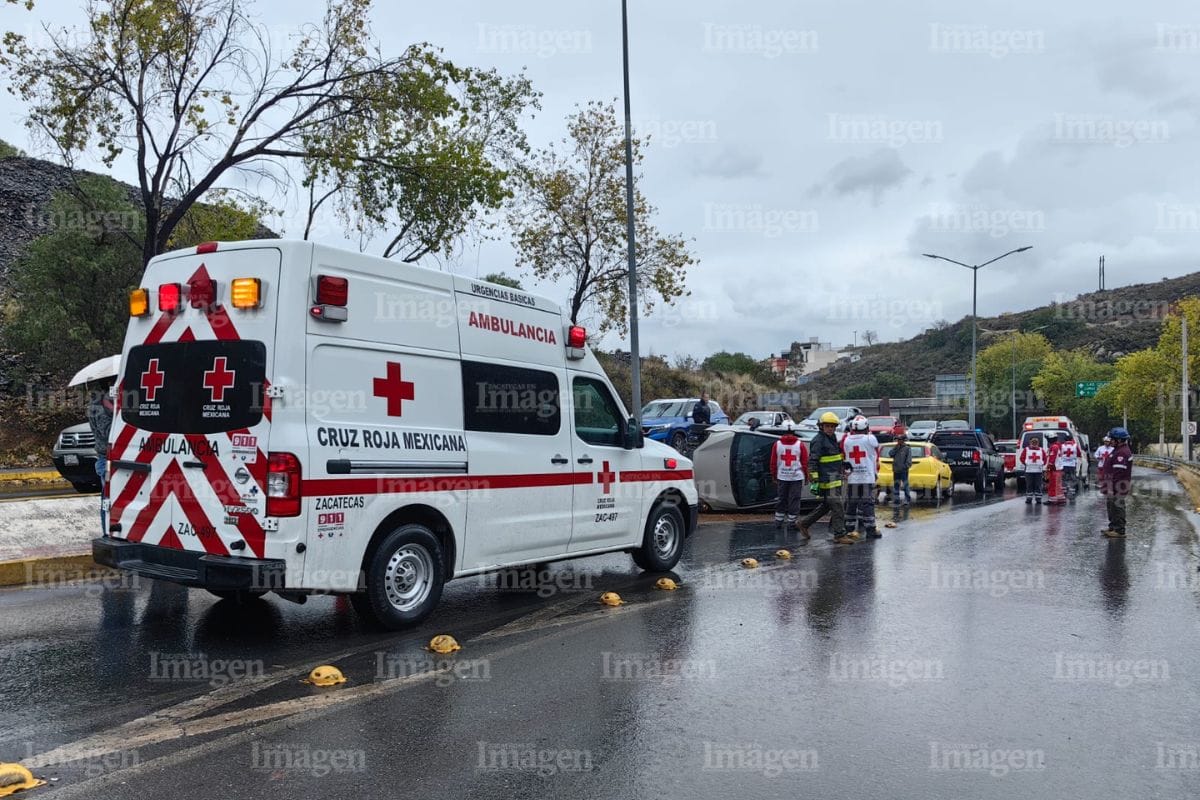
x=82, y=472
x=188, y=567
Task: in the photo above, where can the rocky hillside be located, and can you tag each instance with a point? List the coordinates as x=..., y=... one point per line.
x=1107, y=324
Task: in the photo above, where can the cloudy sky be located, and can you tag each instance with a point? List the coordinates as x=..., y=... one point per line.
x=813, y=149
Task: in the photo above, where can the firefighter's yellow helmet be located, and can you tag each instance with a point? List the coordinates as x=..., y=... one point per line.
x=829, y=418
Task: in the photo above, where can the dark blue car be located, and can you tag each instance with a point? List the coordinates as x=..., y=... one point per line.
x=668, y=420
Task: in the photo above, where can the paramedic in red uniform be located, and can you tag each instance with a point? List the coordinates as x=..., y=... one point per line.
x=789, y=466
x=1033, y=456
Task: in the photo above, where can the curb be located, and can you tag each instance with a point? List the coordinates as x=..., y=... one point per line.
x=32, y=475
x=51, y=571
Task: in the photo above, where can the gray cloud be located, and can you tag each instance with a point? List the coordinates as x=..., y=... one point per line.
x=729, y=164
x=871, y=174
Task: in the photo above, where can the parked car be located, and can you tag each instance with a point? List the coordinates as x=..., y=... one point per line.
x=74, y=456
x=766, y=419
x=1008, y=447
x=922, y=429
x=884, y=427
x=929, y=473
x=844, y=414
x=953, y=425
x=668, y=420
x=972, y=457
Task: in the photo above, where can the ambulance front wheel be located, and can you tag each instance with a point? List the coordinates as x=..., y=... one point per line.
x=404, y=578
x=662, y=544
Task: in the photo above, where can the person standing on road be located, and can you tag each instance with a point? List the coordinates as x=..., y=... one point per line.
x=901, y=464
x=702, y=413
x=100, y=417
x=1033, y=456
x=1067, y=463
x=861, y=450
x=1102, y=453
x=789, y=465
x=1116, y=482
x=826, y=473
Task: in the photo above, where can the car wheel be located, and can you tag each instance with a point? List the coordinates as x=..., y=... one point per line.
x=239, y=596
x=404, y=578
x=679, y=440
x=662, y=543
x=998, y=483
x=980, y=482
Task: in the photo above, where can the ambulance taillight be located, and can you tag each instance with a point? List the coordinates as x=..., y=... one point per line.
x=245, y=293
x=283, y=485
x=332, y=296
x=202, y=292
x=139, y=303
x=670, y=463
x=576, y=340
x=170, y=298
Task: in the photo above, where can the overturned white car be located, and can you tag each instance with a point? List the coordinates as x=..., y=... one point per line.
x=733, y=468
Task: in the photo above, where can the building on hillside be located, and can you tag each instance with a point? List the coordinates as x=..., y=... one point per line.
x=777, y=364
x=813, y=355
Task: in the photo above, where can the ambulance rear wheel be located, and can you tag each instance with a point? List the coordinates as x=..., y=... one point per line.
x=662, y=544
x=404, y=578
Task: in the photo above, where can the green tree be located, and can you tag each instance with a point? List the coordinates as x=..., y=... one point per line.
x=995, y=365
x=503, y=279
x=736, y=364
x=67, y=302
x=568, y=218
x=9, y=151
x=884, y=384
x=225, y=217
x=1139, y=389
x=1055, y=387
x=198, y=95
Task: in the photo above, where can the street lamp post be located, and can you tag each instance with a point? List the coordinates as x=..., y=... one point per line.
x=635, y=358
x=974, y=315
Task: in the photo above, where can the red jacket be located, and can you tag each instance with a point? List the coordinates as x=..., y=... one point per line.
x=788, y=439
x=1116, y=473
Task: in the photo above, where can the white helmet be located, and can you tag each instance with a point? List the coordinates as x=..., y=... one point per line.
x=860, y=424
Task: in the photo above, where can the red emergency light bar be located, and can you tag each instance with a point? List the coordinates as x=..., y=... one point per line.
x=170, y=298
x=577, y=336
x=206, y=247
x=202, y=293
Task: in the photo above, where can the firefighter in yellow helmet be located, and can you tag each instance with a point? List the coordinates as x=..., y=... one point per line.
x=826, y=470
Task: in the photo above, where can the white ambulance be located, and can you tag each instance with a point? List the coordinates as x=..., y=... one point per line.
x=298, y=419
x=1047, y=429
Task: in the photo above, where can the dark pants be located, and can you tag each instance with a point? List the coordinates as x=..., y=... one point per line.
x=788, y=503
x=1116, y=511
x=900, y=482
x=1034, y=484
x=102, y=473
x=860, y=507
x=1068, y=481
x=833, y=502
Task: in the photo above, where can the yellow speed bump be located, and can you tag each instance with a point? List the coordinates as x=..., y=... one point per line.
x=666, y=584
x=750, y=563
x=14, y=778
x=444, y=643
x=784, y=554
x=325, y=675
x=611, y=599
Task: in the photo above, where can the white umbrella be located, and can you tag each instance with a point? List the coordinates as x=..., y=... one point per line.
x=107, y=367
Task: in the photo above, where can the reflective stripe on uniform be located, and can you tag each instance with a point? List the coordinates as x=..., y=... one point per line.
x=829, y=459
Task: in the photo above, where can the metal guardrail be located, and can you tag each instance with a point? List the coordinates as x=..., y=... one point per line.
x=1166, y=461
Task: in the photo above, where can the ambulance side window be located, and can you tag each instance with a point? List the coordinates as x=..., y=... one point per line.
x=501, y=399
x=598, y=418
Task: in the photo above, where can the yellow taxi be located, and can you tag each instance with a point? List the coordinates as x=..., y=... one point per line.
x=928, y=473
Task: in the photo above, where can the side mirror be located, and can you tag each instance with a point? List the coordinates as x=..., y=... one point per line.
x=632, y=435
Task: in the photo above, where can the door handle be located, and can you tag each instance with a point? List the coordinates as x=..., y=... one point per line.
x=559, y=460
x=585, y=460
x=194, y=464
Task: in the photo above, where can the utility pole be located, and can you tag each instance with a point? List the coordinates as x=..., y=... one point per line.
x=1162, y=421
x=635, y=356
x=1102, y=273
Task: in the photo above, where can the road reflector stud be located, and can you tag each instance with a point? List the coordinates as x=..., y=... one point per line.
x=444, y=643
x=784, y=554
x=889, y=524
x=325, y=675
x=750, y=563
x=666, y=584
x=14, y=778
x=611, y=599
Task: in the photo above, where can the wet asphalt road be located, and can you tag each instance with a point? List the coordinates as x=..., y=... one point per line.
x=981, y=650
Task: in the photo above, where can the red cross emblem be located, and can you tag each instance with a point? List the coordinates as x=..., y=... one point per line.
x=857, y=455
x=606, y=477
x=218, y=379
x=1035, y=456
x=787, y=457
x=152, y=380
x=395, y=389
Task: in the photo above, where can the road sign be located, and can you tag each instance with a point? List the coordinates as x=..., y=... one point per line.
x=1191, y=429
x=1088, y=388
